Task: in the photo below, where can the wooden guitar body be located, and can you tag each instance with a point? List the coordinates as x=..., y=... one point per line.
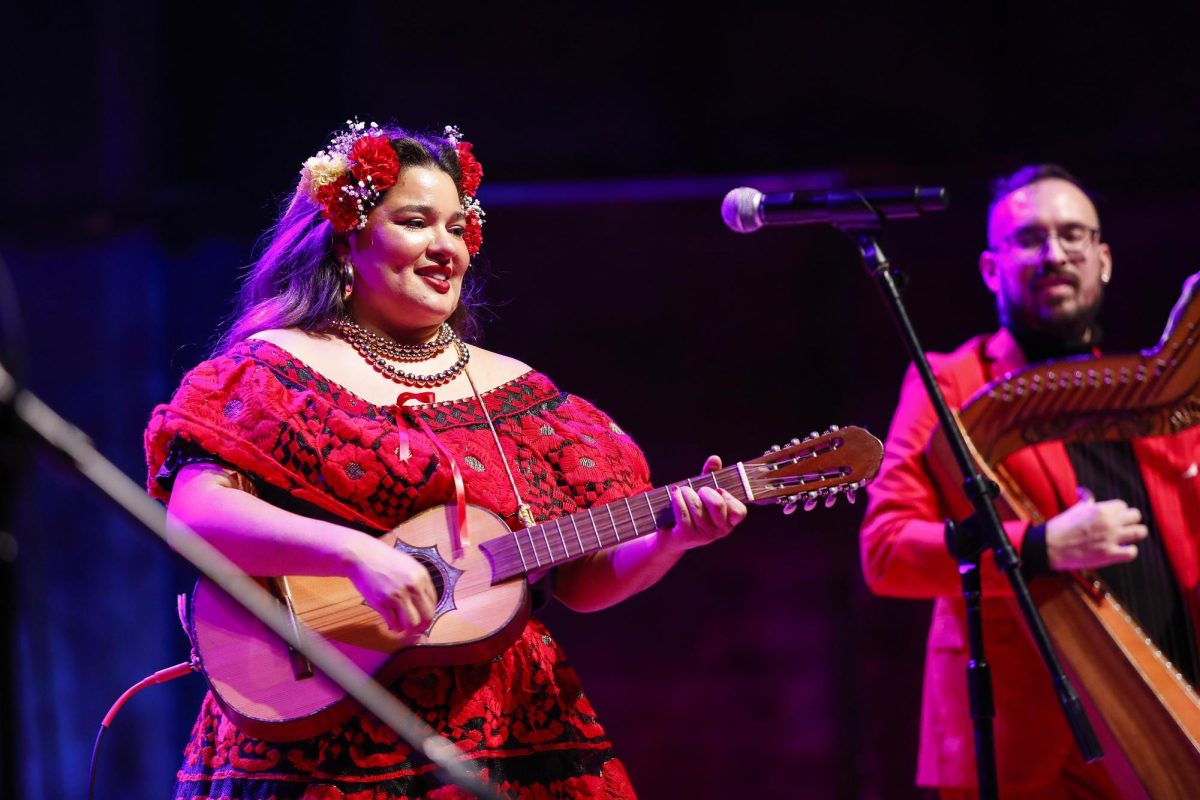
x=259, y=680
x=271, y=692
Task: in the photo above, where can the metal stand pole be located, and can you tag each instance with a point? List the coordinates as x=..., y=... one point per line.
x=968, y=540
x=34, y=418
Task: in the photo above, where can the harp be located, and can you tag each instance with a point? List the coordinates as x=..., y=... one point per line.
x=1147, y=705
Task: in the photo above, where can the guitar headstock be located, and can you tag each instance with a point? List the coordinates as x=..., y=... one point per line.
x=838, y=462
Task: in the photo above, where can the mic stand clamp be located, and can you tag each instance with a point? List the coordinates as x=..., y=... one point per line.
x=968, y=540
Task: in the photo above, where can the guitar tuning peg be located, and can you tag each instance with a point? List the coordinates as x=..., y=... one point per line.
x=850, y=494
x=795, y=441
x=775, y=448
x=789, y=507
x=812, y=435
x=810, y=502
x=834, y=429
x=830, y=499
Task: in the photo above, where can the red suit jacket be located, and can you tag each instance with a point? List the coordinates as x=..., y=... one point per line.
x=904, y=555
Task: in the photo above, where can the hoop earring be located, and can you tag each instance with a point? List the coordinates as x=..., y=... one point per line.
x=347, y=279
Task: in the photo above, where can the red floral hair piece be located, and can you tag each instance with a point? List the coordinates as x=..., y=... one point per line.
x=471, y=176
x=374, y=160
x=468, y=164
x=348, y=178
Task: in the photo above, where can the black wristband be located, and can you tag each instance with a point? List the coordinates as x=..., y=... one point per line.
x=1035, y=559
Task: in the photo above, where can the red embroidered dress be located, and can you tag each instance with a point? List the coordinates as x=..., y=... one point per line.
x=522, y=717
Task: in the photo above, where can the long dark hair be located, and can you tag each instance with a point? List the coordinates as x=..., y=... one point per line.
x=296, y=281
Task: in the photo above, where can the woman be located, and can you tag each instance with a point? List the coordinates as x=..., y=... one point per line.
x=343, y=385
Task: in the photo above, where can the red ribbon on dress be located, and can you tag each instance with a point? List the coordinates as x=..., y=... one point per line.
x=420, y=397
x=403, y=449
x=460, y=538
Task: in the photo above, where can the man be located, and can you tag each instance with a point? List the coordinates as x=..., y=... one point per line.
x=1048, y=268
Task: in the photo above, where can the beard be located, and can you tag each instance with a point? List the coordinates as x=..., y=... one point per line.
x=1069, y=321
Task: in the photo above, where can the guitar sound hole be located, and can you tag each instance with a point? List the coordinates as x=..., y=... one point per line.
x=442, y=574
x=435, y=575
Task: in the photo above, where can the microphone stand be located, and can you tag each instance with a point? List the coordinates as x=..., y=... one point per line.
x=33, y=417
x=968, y=540
x=12, y=459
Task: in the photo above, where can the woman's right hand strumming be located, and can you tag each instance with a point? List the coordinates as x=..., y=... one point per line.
x=395, y=585
x=265, y=540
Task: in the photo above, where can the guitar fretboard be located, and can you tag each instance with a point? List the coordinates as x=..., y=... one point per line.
x=564, y=539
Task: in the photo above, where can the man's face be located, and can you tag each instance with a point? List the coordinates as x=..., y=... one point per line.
x=1044, y=261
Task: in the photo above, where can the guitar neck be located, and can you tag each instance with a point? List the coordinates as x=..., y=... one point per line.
x=567, y=538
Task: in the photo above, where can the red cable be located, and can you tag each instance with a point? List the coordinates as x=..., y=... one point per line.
x=162, y=676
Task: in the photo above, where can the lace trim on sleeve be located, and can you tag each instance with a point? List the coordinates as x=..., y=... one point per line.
x=182, y=452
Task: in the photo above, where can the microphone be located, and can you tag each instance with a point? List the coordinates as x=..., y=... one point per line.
x=745, y=210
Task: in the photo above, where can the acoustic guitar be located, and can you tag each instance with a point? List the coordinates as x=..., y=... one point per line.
x=271, y=692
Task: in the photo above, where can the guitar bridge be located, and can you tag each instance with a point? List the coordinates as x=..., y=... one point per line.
x=302, y=668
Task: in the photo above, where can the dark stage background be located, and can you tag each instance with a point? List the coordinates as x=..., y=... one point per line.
x=146, y=146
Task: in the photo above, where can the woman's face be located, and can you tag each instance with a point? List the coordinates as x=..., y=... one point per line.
x=410, y=258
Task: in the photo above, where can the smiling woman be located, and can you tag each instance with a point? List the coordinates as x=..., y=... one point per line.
x=410, y=259
x=306, y=273
x=343, y=399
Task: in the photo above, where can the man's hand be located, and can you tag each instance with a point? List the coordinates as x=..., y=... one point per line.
x=1091, y=534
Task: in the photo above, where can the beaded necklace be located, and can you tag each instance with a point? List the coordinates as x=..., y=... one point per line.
x=380, y=352
x=377, y=349
x=397, y=351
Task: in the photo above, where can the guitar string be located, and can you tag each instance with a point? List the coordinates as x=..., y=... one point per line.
x=726, y=478
x=757, y=474
x=506, y=563
x=332, y=613
x=642, y=517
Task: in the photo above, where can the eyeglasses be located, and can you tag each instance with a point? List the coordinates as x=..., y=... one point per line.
x=1072, y=238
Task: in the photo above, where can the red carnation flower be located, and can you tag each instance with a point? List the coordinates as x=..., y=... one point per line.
x=338, y=207
x=473, y=233
x=374, y=157
x=472, y=173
